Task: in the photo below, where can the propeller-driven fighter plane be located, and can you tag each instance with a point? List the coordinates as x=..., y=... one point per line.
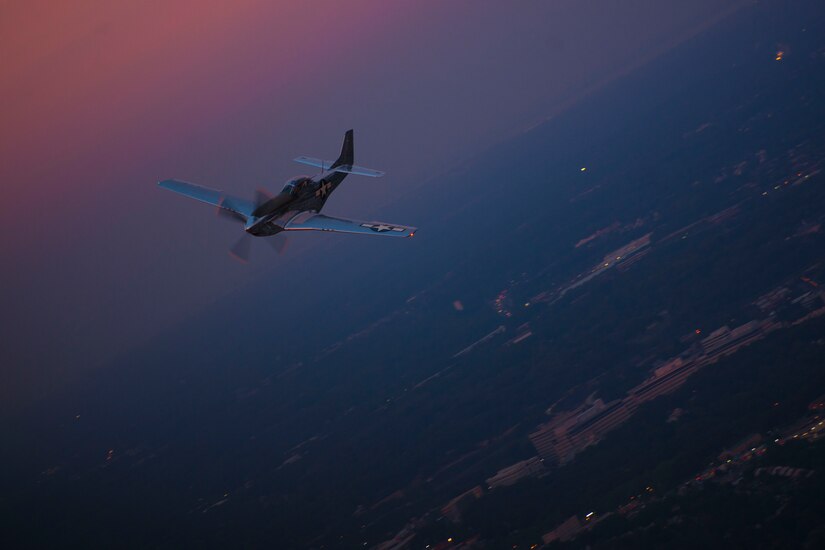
x=297, y=207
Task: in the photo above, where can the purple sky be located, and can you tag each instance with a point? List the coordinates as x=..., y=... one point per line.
x=102, y=100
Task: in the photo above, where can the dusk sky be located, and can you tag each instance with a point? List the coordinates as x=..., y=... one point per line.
x=101, y=100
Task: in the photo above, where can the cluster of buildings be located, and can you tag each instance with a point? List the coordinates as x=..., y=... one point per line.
x=622, y=257
x=511, y=474
x=804, y=293
x=564, y=532
x=572, y=527
x=784, y=471
x=454, y=509
x=726, y=341
x=570, y=432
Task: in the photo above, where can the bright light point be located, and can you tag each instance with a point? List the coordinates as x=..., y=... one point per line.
x=450, y=539
x=779, y=55
x=584, y=168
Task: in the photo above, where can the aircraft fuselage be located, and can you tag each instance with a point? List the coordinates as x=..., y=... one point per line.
x=301, y=194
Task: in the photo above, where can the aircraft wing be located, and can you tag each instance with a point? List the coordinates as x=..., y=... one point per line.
x=307, y=221
x=209, y=196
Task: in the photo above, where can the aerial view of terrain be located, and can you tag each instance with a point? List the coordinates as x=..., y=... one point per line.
x=609, y=332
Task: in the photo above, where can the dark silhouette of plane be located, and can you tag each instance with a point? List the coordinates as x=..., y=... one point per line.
x=297, y=207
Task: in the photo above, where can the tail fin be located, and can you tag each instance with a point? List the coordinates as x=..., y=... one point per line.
x=347, y=153
x=344, y=164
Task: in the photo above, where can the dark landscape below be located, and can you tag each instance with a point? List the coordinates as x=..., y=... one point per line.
x=658, y=249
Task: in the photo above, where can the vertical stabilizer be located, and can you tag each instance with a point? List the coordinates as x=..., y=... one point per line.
x=347, y=157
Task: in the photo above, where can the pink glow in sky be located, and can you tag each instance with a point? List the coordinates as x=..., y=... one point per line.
x=100, y=79
x=101, y=99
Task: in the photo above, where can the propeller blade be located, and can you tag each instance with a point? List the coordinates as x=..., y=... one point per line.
x=240, y=250
x=278, y=243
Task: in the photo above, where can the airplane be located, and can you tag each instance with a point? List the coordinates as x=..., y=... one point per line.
x=297, y=207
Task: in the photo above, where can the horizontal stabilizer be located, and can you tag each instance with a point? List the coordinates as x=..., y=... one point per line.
x=347, y=169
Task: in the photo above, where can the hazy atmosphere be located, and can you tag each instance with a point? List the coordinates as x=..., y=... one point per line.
x=103, y=100
x=606, y=331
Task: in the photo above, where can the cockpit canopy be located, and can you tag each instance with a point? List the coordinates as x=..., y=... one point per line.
x=293, y=185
